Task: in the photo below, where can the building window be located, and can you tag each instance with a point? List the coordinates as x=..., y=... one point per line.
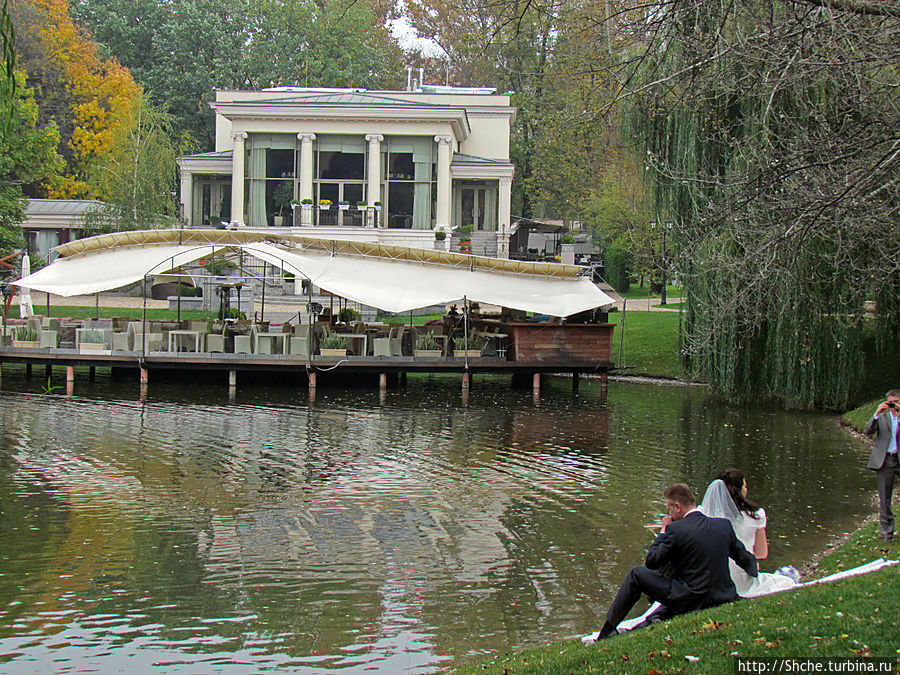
x=270, y=178
x=409, y=182
x=340, y=175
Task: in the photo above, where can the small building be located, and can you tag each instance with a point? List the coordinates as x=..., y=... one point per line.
x=369, y=163
x=51, y=222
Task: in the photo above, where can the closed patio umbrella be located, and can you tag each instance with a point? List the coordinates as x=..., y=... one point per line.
x=25, y=308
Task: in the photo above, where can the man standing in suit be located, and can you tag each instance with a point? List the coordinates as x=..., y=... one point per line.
x=883, y=459
x=697, y=549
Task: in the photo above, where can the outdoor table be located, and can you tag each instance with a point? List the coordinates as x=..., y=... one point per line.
x=267, y=343
x=175, y=341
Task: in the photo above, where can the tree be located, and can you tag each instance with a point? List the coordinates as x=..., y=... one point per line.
x=27, y=156
x=772, y=131
x=270, y=43
x=8, y=59
x=139, y=178
x=94, y=98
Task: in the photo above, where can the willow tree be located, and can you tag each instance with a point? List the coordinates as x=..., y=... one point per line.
x=771, y=131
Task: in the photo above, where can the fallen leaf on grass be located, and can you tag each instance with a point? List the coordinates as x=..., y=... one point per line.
x=863, y=651
x=625, y=658
x=710, y=625
x=665, y=654
x=654, y=671
x=668, y=640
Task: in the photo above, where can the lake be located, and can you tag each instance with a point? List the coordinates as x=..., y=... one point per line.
x=192, y=533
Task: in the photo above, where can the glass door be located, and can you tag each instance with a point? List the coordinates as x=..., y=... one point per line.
x=473, y=201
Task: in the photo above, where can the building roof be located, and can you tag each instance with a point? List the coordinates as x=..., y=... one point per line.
x=60, y=207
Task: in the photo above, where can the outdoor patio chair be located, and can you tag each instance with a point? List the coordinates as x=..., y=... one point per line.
x=242, y=344
x=299, y=346
x=120, y=342
x=48, y=338
x=215, y=342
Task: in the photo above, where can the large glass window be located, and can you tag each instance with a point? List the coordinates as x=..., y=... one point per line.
x=340, y=176
x=409, y=175
x=270, y=178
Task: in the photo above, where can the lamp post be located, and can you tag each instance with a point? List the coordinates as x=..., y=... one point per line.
x=665, y=229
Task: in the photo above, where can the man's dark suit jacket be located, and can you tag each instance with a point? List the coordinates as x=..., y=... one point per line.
x=698, y=549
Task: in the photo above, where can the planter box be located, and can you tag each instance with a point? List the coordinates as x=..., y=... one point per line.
x=360, y=208
x=324, y=207
x=427, y=353
x=344, y=207
x=332, y=352
x=469, y=353
x=92, y=346
x=26, y=344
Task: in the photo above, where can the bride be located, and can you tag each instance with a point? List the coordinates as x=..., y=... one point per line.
x=726, y=497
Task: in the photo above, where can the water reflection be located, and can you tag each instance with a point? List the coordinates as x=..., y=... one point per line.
x=201, y=533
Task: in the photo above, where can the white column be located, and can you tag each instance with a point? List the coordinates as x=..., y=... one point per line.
x=444, y=182
x=306, y=175
x=374, y=175
x=503, y=217
x=187, y=201
x=237, y=179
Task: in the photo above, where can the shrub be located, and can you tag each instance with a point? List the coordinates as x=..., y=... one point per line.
x=567, y=238
x=426, y=341
x=349, y=314
x=617, y=260
x=27, y=334
x=440, y=235
x=220, y=266
x=333, y=341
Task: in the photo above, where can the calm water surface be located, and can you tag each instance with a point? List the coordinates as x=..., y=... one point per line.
x=189, y=533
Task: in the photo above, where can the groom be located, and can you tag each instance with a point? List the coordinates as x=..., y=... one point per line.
x=697, y=550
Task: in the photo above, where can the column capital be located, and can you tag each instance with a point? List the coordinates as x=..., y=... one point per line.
x=443, y=139
x=184, y=174
x=306, y=137
x=239, y=136
x=375, y=138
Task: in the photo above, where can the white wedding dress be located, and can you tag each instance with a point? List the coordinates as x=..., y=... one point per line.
x=717, y=503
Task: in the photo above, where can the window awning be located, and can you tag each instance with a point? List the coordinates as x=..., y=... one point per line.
x=391, y=279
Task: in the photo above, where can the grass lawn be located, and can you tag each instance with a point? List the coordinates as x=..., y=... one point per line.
x=637, y=293
x=135, y=313
x=650, y=343
x=854, y=617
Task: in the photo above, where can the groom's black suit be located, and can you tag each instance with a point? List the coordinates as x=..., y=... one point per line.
x=697, y=549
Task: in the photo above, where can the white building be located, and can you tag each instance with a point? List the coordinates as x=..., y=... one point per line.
x=404, y=163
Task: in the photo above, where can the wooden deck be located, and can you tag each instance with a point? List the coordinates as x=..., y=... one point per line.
x=531, y=350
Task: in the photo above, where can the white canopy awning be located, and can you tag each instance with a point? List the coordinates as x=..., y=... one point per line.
x=390, y=284
x=399, y=286
x=110, y=268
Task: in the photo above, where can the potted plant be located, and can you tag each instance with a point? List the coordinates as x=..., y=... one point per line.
x=333, y=345
x=26, y=337
x=306, y=203
x=91, y=339
x=427, y=346
x=377, y=206
x=360, y=206
x=281, y=196
x=440, y=235
x=465, y=238
x=324, y=204
x=344, y=205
